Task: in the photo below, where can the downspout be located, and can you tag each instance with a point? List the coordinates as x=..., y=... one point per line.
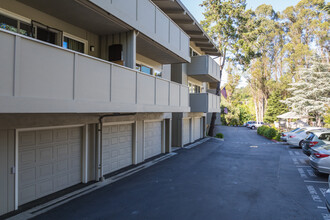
x=100, y=147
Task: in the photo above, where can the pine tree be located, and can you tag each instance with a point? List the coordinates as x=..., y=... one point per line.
x=311, y=94
x=275, y=107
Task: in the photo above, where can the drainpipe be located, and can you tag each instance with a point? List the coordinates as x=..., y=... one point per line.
x=100, y=147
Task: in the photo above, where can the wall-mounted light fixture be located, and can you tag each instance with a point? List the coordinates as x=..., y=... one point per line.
x=92, y=48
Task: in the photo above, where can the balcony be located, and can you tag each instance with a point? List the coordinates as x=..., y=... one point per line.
x=204, y=69
x=38, y=77
x=204, y=102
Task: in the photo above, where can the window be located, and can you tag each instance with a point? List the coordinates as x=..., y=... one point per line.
x=194, y=88
x=74, y=44
x=192, y=52
x=12, y=24
x=47, y=34
x=144, y=69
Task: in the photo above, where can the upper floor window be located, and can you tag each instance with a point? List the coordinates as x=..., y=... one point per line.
x=74, y=43
x=15, y=25
x=194, y=88
x=192, y=52
x=144, y=69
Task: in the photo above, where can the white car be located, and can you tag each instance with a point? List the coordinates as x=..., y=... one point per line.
x=296, y=138
x=255, y=125
x=285, y=135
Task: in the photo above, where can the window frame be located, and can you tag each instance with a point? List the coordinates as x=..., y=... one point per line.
x=19, y=19
x=73, y=37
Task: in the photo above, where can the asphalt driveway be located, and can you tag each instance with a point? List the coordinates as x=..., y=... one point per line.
x=244, y=177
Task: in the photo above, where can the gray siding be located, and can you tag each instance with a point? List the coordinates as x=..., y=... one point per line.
x=146, y=17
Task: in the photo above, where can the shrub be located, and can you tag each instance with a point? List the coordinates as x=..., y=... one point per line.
x=219, y=135
x=261, y=130
x=278, y=136
x=270, y=133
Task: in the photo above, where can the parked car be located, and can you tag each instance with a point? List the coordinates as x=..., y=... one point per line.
x=327, y=196
x=248, y=122
x=255, y=125
x=285, y=135
x=297, y=137
x=320, y=159
x=315, y=139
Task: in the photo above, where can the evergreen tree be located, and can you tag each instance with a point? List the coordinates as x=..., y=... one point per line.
x=311, y=94
x=275, y=107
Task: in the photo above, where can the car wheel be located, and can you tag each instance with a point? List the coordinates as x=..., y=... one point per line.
x=300, y=143
x=253, y=127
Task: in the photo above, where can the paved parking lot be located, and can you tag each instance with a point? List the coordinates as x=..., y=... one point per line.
x=244, y=177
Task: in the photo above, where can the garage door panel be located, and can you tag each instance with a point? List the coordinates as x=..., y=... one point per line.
x=44, y=137
x=186, y=131
x=49, y=164
x=117, y=147
x=153, y=139
x=60, y=135
x=197, y=128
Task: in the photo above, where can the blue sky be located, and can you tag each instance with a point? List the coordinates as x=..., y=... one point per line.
x=197, y=11
x=278, y=5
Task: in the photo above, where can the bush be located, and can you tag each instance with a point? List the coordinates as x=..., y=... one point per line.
x=278, y=136
x=219, y=135
x=261, y=130
x=270, y=133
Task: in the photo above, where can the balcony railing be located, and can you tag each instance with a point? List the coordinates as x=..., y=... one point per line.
x=204, y=69
x=37, y=77
x=204, y=102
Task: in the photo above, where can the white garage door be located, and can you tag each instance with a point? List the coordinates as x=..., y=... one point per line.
x=186, y=131
x=153, y=139
x=117, y=147
x=49, y=160
x=197, y=128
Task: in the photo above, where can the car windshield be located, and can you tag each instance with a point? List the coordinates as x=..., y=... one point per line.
x=295, y=130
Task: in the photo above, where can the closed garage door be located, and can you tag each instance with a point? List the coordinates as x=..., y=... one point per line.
x=153, y=139
x=117, y=147
x=49, y=160
x=197, y=128
x=186, y=131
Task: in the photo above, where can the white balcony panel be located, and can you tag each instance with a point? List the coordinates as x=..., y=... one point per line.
x=175, y=95
x=184, y=96
x=147, y=18
x=161, y=22
x=44, y=71
x=123, y=85
x=204, y=68
x=162, y=92
x=204, y=102
x=7, y=57
x=37, y=77
x=145, y=89
x=93, y=86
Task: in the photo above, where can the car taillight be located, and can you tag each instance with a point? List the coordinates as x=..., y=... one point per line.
x=291, y=136
x=283, y=135
x=313, y=143
x=318, y=155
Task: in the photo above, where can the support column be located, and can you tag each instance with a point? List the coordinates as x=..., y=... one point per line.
x=130, y=59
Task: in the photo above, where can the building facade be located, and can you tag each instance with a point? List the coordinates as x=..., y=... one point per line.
x=90, y=87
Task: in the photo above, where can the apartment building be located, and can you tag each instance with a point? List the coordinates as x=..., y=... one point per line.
x=91, y=87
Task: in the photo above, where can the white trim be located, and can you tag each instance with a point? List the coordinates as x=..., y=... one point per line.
x=81, y=40
x=118, y=123
x=16, y=169
x=143, y=140
x=134, y=146
x=49, y=127
x=14, y=15
x=84, y=176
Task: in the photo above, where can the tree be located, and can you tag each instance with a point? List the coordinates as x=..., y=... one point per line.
x=226, y=21
x=275, y=107
x=311, y=94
